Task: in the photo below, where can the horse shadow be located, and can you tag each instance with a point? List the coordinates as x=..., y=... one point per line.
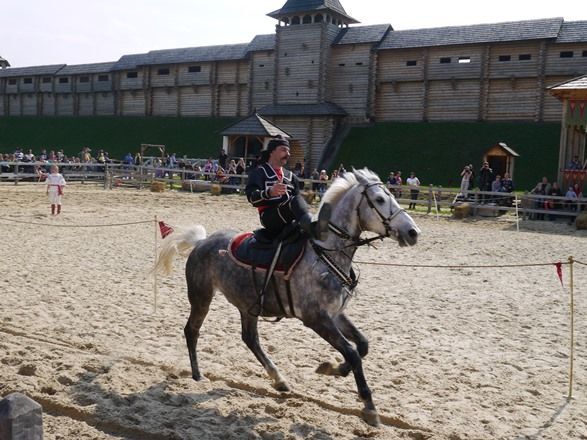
x=158, y=412
x=541, y=431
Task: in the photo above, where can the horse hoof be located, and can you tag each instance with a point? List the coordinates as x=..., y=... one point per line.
x=282, y=387
x=326, y=368
x=370, y=416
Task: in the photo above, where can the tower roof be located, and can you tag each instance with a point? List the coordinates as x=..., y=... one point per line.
x=301, y=6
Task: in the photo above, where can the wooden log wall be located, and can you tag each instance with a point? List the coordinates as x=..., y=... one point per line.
x=262, y=80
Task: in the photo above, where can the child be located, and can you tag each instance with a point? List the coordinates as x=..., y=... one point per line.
x=55, y=184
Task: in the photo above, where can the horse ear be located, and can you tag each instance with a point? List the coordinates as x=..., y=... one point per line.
x=361, y=177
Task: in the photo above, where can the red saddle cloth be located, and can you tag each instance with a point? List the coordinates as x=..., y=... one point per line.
x=247, y=250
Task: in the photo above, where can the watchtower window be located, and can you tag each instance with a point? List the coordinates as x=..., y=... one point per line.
x=504, y=58
x=132, y=75
x=464, y=60
x=307, y=19
x=63, y=80
x=295, y=20
x=84, y=79
x=328, y=18
x=27, y=80
x=319, y=18
x=194, y=69
x=445, y=60
x=163, y=72
x=524, y=57
x=46, y=79
x=410, y=63
x=103, y=78
x=566, y=54
x=261, y=65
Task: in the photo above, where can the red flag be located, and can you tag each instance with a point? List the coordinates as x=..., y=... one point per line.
x=559, y=272
x=165, y=229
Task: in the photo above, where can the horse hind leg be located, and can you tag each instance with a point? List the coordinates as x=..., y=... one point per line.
x=200, y=299
x=250, y=337
x=352, y=333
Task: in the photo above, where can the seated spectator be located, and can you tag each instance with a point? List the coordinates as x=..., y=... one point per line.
x=553, y=204
x=575, y=164
x=496, y=185
x=390, y=182
x=571, y=200
x=541, y=188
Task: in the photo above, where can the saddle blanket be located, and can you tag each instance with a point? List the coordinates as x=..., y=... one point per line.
x=246, y=249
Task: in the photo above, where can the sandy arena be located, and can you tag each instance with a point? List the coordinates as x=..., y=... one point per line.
x=454, y=353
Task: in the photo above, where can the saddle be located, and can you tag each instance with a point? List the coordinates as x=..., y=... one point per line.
x=257, y=249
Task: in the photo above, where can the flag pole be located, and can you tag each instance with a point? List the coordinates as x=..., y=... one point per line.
x=572, y=350
x=155, y=271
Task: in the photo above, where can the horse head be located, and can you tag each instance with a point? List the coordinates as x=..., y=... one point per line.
x=361, y=198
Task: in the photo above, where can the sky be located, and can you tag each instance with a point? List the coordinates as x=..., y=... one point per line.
x=41, y=32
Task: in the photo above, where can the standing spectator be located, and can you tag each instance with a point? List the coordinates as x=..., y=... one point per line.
x=485, y=179
x=399, y=181
x=553, y=204
x=323, y=178
x=413, y=183
x=571, y=200
x=391, y=181
x=541, y=188
x=55, y=184
x=222, y=158
x=465, y=180
x=496, y=184
x=241, y=166
x=575, y=164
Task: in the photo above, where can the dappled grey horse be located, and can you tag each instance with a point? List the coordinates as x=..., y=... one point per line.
x=319, y=287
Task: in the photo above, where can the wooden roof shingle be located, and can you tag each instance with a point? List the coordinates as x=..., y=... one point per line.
x=474, y=34
x=31, y=71
x=362, y=34
x=224, y=52
x=262, y=42
x=573, y=32
x=81, y=69
x=301, y=6
x=254, y=125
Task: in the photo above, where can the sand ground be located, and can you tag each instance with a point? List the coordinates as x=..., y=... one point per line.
x=454, y=353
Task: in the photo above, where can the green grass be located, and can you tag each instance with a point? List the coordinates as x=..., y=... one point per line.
x=195, y=137
x=437, y=152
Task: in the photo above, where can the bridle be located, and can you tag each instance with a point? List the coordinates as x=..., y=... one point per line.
x=351, y=279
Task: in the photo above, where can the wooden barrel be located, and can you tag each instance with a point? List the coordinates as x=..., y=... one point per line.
x=216, y=189
x=462, y=210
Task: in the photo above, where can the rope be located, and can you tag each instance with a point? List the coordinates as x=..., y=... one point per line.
x=474, y=266
x=76, y=226
x=579, y=262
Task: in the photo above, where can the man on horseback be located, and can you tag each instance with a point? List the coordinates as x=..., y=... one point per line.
x=274, y=191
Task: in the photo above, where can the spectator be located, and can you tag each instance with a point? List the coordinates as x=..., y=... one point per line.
x=571, y=200
x=341, y=169
x=496, y=185
x=541, y=188
x=485, y=179
x=579, y=193
x=222, y=158
x=553, y=204
x=323, y=178
x=465, y=180
x=413, y=183
x=398, y=182
x=240, y=166
x=575, y=164
x=391, y=181
x=507, y=184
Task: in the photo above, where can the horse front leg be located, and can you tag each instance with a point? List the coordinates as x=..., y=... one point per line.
x=325, y=326
x=352, y=333
x=250, y=337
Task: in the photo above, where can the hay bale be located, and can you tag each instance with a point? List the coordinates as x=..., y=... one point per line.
x=157, y=186
x=216, y=189
x=581, y=221
x=309, y=196
x=462, y=210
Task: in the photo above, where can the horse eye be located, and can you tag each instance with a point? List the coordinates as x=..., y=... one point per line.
x=380, y=200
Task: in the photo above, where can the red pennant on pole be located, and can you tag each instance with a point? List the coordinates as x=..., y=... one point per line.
x=165, y=229
x=559, y=271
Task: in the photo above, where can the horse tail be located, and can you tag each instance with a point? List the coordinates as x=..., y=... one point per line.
x=179, y=242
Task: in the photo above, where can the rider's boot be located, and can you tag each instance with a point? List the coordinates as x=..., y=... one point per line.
x=314, y=229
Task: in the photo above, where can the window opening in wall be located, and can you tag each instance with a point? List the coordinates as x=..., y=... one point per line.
x=11, y=82
x=445, y=60
x=194, y=69
x=266, y=85
x=287, y=71
x=464, y=60
x=46, y=79
x=84, y=79
x=524, y=57
x=585, y=53
x=63, y=80
x=319, y=18
x=103, y=78
x=341, y=64
x=411, y=63
x=307, y=19
x=566, y=54
x=27, y=80
x=358, y=64
x=261, y=65
x=295, y=20
x=132, y=74
x=163, y=71
x=503, y=58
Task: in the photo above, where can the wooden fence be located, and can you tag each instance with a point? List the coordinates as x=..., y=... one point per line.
x=433, y=199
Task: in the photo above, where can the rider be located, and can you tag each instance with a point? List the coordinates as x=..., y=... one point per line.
x=274, y=191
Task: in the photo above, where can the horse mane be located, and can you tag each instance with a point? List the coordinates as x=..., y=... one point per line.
x=348, y=180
